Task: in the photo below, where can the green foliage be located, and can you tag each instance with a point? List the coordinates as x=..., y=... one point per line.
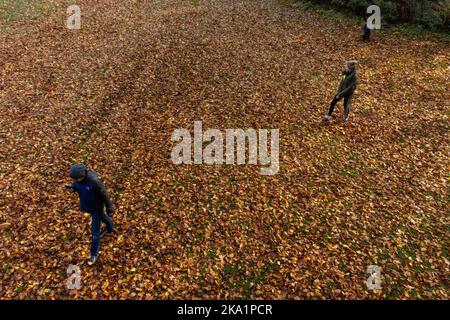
x=428, y=14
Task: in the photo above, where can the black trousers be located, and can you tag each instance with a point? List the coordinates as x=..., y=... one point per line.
x=366, y=34
x=347, y=101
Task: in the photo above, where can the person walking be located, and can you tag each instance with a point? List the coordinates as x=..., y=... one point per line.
x=93, y=197
x=346, y=89
x=366, y=33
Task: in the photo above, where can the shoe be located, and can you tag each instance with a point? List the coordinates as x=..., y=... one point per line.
x=92, y=260
x=326, y=118
x=106, y=232
x=344, y=120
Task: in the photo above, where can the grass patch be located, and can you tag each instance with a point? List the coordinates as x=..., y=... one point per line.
x=247, y=283
x=23, y=10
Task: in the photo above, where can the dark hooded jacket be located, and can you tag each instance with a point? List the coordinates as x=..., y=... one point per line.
x=93, y=195
x=348, y=83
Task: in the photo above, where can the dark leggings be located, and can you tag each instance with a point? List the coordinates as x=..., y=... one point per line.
x=347, y=101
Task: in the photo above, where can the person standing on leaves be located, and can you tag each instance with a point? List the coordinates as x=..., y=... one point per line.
x=93, y=196
x=366, y=33
x=346, y=89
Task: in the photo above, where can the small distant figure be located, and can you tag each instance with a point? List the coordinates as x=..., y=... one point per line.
x=366, y=33
x=346, y=89
x=93, y=196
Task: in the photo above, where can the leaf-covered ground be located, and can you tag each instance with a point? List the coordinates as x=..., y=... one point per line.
x=372, y=191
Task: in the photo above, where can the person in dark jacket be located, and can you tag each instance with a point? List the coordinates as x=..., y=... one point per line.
x=366, y=33
x=346, y=89
x=93, y=197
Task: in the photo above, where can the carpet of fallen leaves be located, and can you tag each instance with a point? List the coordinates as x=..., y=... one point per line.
x=372, y=191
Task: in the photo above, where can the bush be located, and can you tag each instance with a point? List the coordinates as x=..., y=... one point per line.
x=429, y=14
